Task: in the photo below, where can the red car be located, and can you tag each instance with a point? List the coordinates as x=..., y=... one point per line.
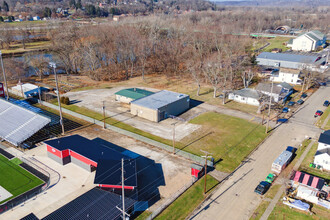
x=318, y=113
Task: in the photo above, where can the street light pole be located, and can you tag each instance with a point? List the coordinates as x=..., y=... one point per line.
x=104, y=126
x=4, y=76
x=270, y=105
x=53, y=65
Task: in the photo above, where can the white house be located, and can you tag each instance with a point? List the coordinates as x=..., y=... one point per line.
x=246, y=96
x=308, y=41
x=291, y=76
x=322, y=155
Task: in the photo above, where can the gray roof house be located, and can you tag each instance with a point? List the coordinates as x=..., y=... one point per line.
x=280, y=90
x=308, y=41
x=246, y=96
x=293, y=61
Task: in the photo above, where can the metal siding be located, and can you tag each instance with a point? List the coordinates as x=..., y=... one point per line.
x=54, y=151
x=177, y=107
x=81, y=164
x=115, y=186
x=54, y=157
x=82, y=158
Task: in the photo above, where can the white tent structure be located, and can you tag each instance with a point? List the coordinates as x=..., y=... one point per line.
x=18, y=124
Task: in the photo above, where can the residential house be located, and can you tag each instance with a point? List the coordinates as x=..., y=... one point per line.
x=322, y=155
x=312, y=62
x=309, y=41
x=287, y=75
x=246, y=96
x=279, y=91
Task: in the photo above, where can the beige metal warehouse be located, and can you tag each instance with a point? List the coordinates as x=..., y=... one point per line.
x=160, y=105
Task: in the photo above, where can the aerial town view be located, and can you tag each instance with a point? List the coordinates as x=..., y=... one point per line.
x=164, y=109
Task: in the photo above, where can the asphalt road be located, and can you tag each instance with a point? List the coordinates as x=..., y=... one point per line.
x=235, y=198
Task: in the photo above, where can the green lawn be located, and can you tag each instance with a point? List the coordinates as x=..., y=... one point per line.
x=260, y=210
x=31, y=46
x=228, y=138
x=15, y=179
x=277, y=42
x=16, y=161
x=188, y=201
x=309, y=159
x=323, y=117
x=282, y=211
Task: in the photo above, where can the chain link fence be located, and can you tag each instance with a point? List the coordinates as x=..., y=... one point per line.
x=168, y=148
x=43, y=172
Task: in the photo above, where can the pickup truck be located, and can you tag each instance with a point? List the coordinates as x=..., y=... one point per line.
x=262, y=187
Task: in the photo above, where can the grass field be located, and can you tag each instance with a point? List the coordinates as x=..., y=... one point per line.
x=29, y=47
x=229, y=139
x=277, y=42
x=188, y=201
x=15, y=179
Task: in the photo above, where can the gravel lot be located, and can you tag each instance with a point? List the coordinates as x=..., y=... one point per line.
x=93, y=100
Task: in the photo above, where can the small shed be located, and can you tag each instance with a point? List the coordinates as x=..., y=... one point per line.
x=160, y=105
x=131, y=94
x=197, y=170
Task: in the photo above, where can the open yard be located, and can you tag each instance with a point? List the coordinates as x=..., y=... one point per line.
x=309, y=159
x=188, y=201
x=323, y=118
x=282, y=211
x=229, y=139
x=15, y=179
x=31, y=46
x=277, y=42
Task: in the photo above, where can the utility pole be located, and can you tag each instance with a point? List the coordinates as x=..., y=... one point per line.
x=52, y=64
x=21, y=84
x=205, y=168
x=39, y=92
x=4, y=76
x=104, y=126
x=173, y=132
x=122, y=187
x=123, y=191
x=270, y=104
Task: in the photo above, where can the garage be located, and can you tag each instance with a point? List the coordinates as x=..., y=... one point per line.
x=129, y=95
x=160, y=105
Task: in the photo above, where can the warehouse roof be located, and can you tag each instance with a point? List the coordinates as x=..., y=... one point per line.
x=112, y=176
x=159, y=99
x=247, y=92
x=18, y=124
x=289, y=57
x=96, y=204
x=85, y=147
x=134, y=93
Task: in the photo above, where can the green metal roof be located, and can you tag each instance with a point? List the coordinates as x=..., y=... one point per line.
x=134, y=93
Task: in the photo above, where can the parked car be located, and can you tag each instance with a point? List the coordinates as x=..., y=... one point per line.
x=300, y=101
x=318, y=113
x=291, y=103
x=262, y=187
x=270, y=178
x=304, y=95
x=326, y=103
x=285, y=110
x=282, y=120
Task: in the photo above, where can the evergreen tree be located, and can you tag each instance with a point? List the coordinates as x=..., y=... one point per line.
x=1, y=19
x=72, y=3
x=47, y=12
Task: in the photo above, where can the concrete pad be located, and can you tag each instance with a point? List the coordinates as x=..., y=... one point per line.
x=4, y=194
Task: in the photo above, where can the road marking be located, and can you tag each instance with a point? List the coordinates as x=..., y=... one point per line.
x=252, y=118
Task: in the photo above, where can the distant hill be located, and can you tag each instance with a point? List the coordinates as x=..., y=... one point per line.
x=274, y=2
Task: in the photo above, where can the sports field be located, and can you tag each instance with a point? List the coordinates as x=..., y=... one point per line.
x=15, y=179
